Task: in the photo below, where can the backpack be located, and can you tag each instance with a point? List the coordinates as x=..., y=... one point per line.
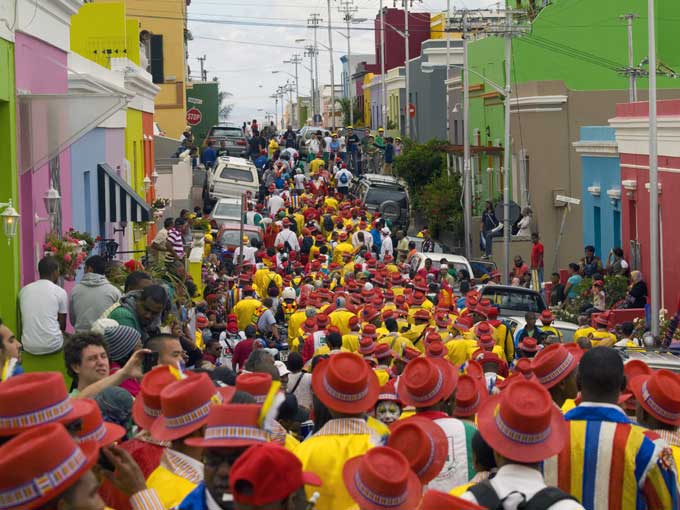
x=343, y=178
x=486, y=496
x=328, y=223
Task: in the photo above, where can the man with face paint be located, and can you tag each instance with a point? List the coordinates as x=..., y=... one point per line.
x=388, y=408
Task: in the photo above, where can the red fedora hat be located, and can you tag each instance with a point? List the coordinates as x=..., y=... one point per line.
x=382, y=478
x=421, y=314
x=634, y=368
x=443, y=320
x=436, y=349
x=383, y=350
x=426, y=381
x=423, y=443
x=40, y=464
x=366, y=346
x=94, y=427
x=547, y=316
x=388, y=391
x=370, y=330
x=147, y=406
x=483, y=328
x=345, y=383
x=185, y=405
x=470, y=393
x=553, y=364
x=370, y=313
x=256, y=384
x=436, y=500
x=528, y=344
x=522, y=423
x=659, y=394
x=32, y=399
x=231, y=426
x=523, y=366
x=410, y=354
x=309, y=326
x=486, y=342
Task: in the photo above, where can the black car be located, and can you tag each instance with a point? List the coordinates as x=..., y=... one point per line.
x=384, y=194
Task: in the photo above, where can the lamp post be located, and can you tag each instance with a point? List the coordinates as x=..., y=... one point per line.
x=653, y=175
x=296, y=60
x=10, y=220
x=52, y=199
x=330, y=52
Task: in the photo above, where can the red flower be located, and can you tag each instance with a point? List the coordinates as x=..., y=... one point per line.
x=67, y=258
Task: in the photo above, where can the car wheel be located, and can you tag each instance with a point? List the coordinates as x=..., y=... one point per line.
x=390, y=210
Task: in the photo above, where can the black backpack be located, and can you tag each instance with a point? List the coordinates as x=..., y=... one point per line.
x=486, y=496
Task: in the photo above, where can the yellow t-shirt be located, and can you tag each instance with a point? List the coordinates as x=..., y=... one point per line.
x=294, y=323
x=340, y=319
x=244, y=310
x=171, y=489
x=341, y=248
x=600, y=336
x=583, y=332
x=315, y=165
x=350, y=342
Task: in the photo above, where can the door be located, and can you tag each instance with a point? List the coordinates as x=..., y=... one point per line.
x=617, y=229
x=597, y=228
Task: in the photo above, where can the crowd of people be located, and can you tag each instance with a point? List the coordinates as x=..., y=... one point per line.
x=317, y=370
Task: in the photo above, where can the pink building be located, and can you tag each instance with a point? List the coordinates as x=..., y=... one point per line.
x=632, y=124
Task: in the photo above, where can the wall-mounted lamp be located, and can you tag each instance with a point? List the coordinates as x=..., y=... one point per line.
x=52, y=199
x=10, y=219
x=456, y=108
x=147, y=183
x=154, y=177
x=123, y=226
x=594, y=190
x=614, y=195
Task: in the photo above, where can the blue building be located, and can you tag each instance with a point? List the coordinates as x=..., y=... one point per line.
x=601, y=188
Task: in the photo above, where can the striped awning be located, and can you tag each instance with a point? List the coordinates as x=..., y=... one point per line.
x=117, y=200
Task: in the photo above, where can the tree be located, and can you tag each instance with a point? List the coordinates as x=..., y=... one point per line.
x=225, y=108
x=345, y=105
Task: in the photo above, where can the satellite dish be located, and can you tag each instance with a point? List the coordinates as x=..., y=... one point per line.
x=515, y=212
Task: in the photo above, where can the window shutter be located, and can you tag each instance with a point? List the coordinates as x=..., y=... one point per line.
x=157, y=73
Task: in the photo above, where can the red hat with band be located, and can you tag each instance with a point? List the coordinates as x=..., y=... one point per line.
x=255, y=478
x=659, y=394
x=469, y=395
x=256, y=384
x=382, y=351
x=426, y=381
x=40, y=464
x=382, y=478
x=486, y=342
x=185, y=405
x=553, y=364
x=370, y=331
x=522, y=423
x=366, y=346
x=436, y=500
x=94, y=428
x=436, y=349
x=231, y=426
x=388, y=391
x=423, y=443
x=345, y=383
x=32, y=399
x=547, y=316
x=528, y=344
x=147, y=406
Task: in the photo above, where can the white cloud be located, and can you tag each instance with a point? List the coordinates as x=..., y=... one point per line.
x=245, y=69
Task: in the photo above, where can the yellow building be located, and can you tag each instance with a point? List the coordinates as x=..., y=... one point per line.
x=164, y=33
x=368, y=77
x=438, y=26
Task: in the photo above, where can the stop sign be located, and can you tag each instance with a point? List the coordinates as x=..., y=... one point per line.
x=411, y=110
x=193, y=116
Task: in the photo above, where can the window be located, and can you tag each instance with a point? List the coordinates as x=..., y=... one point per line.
x=231, y=237
x=378, y=195
x=511, y=299
x=226, y=132
x=156, y=61
x=236, y=174
x=227, y=210
x=617, y=229
x=597, y=227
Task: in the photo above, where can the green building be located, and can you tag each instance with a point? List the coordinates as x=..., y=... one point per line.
x=203, y=97
x=566, y=73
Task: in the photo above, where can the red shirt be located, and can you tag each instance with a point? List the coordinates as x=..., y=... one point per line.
x=241, y=353
x=537, y=255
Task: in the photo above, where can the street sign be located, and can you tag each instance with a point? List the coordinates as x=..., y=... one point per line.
x=194, y=116
x=411, y=110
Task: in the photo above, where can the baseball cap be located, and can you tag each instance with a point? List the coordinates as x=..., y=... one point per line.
x=256, y=478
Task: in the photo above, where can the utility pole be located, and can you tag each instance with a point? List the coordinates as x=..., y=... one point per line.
x=330, y=51
x=348, y=9
x=383, y=85
x=275, y=97
x=632, y=70
x=295, y=60
x=467, y=181
x=446, y=87
x=313, y=22
x=407, y=106
x=310, y=51
x=653, y=176
x=204, y=73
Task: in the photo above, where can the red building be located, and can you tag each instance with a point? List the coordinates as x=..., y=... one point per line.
x=632, y=125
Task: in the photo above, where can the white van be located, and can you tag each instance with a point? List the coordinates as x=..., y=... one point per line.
x=456, y=262
x=231, y=177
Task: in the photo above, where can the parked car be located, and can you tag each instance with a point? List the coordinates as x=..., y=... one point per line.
x=482, y=267
x=304, y=135
x=655, y=359
x=513, y=301
x=457, y=262
x=384, y=194
x=226, y=210
x=233, y=137
x=231, y=177
x=229, y=233
x=566, y=328
x=439, y=247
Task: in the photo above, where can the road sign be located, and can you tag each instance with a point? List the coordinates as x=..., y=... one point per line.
x=194, y=116
x=411, y=110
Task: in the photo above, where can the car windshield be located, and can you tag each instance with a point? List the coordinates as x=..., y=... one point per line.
x=237, y=174
x=567, y=335
x=230, y=237
x=226, y=132
x=510, y=299
x=378, y=195
x=227, y=210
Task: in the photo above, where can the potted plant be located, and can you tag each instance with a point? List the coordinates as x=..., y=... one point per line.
x=158, y=206
x=67, y=251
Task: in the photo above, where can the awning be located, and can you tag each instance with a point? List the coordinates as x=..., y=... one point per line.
x=117, y=200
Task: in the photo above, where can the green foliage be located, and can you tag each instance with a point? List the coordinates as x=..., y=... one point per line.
x=345, y=105
x=420, y=164
x=440, y=200
x=615, y=289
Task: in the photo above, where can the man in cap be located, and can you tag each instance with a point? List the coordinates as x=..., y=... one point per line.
x=555, y=368
x=348, y=387
x=287, y=237
x=230, y=429
x=429, y=385
x=341, y=316
x=519, y=446
x=604, y=448
x=246, y=306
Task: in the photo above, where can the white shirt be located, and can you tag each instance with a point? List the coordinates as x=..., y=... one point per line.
x=328, y=141
x=248, y=254
x=386, y=247
x=346, y=173
x=41, y=302
x=299, y=181
x=287, y=235
x=314, y=146
x=303, y=391
x=528, y=481
x=275, y=203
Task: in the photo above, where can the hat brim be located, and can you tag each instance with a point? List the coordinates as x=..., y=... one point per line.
x=91, y=451
x=450, y=374
x=221, y=443
x=114, y=432
x=353, y=407
x=564, y=374
x=513, y=450
x=143, y=420
x=312, y=479
x=159, y=431
x=635, y=386
x=79, y=408
x=441, y=447
x=524, y=348
x=414, y=488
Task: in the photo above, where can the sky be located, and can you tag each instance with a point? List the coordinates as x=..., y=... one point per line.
x=243, y=50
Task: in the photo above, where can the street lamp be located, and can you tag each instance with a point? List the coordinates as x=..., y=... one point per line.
x=154, y=177
x=147, y=183
x=52, y=199
x=10, y=219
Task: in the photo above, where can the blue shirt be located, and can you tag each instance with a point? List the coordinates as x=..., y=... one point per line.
x=209, y=157
x=574, y=279
x=389, y=153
